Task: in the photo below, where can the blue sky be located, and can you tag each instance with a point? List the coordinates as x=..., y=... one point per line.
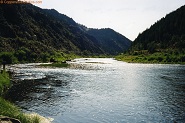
x=128, y=17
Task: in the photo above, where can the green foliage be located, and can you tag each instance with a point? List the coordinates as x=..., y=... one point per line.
x=21, y=50
x=45, y=57
x=4, y=82
x=34, y=33
x=8, y=109
x=109, y=40
x=163, y=42
x=165, y=57
x=8, y=57
x=24, y=55
x=61, y=56
x=41, y=31
x=164, y=34
x=21, y=55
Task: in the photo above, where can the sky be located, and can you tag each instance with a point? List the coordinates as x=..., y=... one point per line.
x=128, y=17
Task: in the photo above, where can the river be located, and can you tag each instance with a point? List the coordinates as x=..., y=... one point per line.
x=102, y=90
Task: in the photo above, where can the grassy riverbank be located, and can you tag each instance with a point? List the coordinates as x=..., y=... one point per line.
x=158, y=57
x=4, y=82
x=10, y=110
x=7, y=108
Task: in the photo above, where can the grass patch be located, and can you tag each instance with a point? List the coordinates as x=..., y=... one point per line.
x=8, y=109
x=59, y=65
x=158, y=57
x=4, y=82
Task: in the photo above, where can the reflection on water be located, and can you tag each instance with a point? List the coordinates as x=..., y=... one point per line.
x=102, y=90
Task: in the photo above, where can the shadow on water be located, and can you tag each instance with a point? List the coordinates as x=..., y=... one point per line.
x=90, y=91
x=37, y=92
x=21, y=89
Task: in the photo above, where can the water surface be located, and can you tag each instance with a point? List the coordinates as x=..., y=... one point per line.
x=102, y=90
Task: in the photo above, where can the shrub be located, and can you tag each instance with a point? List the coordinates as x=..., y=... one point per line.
x=160, y=58
x=8, y=109
x=8, y=58
x=182, y=58
x=4, y=82
x=151, y=58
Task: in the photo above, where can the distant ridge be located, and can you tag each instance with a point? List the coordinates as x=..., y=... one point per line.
x=34, y=31
x=163, y=42
x=35, y=25
x=109, y=40
x=167, y=33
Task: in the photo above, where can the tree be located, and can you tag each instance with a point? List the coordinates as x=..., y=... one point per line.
x=8, y=58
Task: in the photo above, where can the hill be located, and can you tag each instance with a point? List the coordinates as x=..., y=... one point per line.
x=29, y=33
x=110, y=41
x=163, y=42
x=32, y=23
x=29, y=30
x=167, y=33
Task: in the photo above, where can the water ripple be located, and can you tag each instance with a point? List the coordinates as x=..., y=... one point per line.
x=102, y=91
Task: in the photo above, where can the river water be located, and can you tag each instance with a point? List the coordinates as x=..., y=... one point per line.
x=102, y=90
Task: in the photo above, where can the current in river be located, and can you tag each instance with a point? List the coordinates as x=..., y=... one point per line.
x=101, y=90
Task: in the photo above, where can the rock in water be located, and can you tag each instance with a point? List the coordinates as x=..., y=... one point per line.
x=8, y=120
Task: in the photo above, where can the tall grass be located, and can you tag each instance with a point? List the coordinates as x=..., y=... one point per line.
x=158, y=57
x=7, y=108
x=4, y=82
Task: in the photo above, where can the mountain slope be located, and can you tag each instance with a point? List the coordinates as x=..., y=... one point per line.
x=35, y=25
x=167, y=33
x=163, y=42
x=31, y=33
x=110, y=41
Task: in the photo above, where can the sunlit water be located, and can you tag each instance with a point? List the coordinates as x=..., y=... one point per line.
x=102, y=91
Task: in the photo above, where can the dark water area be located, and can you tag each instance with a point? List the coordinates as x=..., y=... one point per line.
x=102, y=90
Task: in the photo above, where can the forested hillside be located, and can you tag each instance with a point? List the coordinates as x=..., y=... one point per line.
x=29, y=33
x=163, y=42
x=110, y=41
x=167, y=33
x=29, y=30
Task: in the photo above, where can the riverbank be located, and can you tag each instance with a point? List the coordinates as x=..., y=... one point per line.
x=8, y=109
x=157, y=58
x=4, y=82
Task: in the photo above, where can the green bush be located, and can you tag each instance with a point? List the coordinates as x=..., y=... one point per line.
x=8, y=109
x=160, y=58
x=4, y=82
x=21, y=55
x=151, y=58
x=182, y=58
x=8, y=58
